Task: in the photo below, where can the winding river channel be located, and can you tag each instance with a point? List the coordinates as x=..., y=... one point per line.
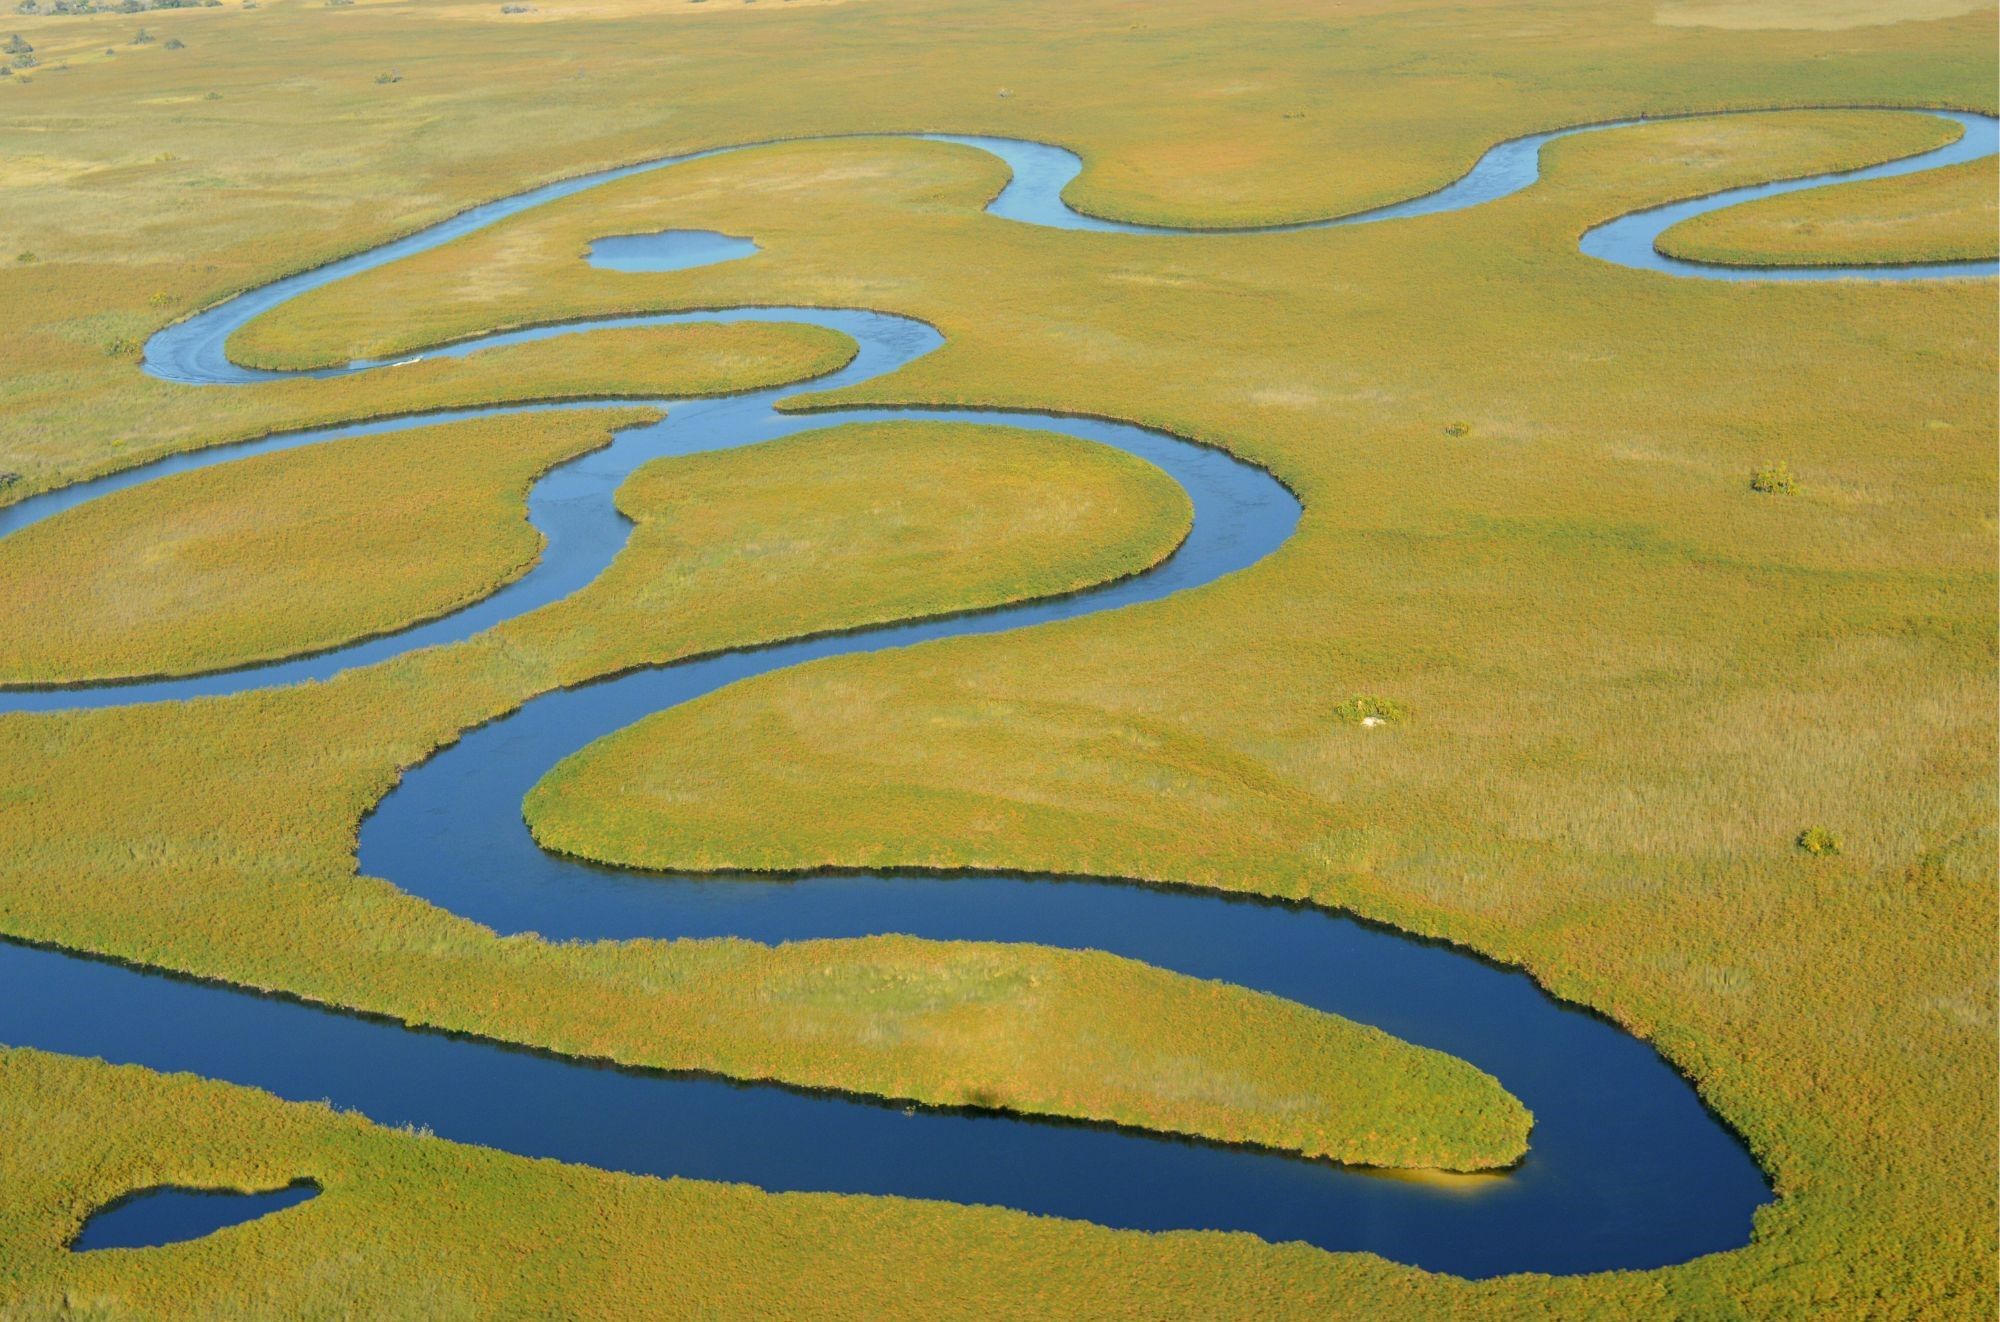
x=1627, y=1168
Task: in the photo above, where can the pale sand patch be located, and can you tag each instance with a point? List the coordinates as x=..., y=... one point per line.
x=1286, y=397
x=1813, y=15
x=21, y=171
x=546, y=11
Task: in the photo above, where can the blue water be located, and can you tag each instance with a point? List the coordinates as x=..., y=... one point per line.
x=171, y=1215
x=1629, y=240
x=669, y=250
x=1041, y=173
x=1627, y=1169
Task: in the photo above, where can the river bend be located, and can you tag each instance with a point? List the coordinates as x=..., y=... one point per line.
x=1627, y=1169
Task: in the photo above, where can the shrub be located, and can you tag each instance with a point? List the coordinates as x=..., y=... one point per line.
x=26, y=257
x=1366, y=709
x=25, y=61
x=1774, y=480
x=175, y=43
x=391, y=76
x=144, y=38
x=121, y=346
x=1458, y=429
x=8, y=481
x=16, y=46
x=213, y=96
x=1818, y=841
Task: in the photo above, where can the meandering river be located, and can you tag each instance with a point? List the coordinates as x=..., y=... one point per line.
x=1627, y=1168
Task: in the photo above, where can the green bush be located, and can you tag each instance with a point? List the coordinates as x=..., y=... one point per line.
x=1366, y=709
x=1774, y=480
x=1458, y=429
x=1818, y=841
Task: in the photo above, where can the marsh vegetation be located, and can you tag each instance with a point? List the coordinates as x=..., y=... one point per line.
x=1638, y=682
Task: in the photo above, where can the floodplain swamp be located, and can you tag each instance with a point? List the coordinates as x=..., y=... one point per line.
x=1632, y=680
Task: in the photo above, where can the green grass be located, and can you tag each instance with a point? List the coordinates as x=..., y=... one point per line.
x=819, y=531
x=282, y=553
x=1938, y=216
x=412, y=1226
x=1635, y=680
x=103, y=415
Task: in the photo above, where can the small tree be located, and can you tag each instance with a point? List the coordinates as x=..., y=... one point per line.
x=16, y=46
x=1367, y=709
x=1774, y=480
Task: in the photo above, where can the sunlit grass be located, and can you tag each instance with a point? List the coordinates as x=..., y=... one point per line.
x=1633, y=681
x=819, y=531
x=1937, y=216
x=281, y=553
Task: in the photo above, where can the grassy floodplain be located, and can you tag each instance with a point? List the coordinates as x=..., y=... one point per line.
x=277, y=554
x=1940, y=216
x=1633, y=682
x=144, y=418
x=806, y=534
x=76, y=1133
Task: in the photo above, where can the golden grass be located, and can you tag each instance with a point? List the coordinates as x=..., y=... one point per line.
x=282, y=553
x=1631, y=680
x=1809, y=15
x=819, y=531
x=409, y=1226
x=838, y=501
x=98, y=417
x=1951, y=214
